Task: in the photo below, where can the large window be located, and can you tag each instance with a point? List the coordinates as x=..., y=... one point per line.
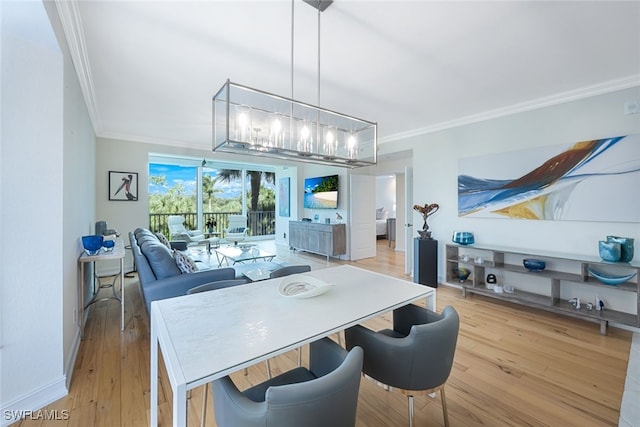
x=207, y=194
x=261, y=205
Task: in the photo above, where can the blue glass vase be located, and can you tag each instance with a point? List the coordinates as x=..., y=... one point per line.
x=626, y=247
x=609, y=251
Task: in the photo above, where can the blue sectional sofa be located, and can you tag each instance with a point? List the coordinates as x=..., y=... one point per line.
x=159, y=275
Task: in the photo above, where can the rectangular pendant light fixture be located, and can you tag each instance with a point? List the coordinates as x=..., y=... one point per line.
x=252, y=121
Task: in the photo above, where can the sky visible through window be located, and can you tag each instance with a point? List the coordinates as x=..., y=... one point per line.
x=186, y=176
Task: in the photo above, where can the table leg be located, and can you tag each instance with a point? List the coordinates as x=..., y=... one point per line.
x=81, y=305
x=130, y=273
x=430, y=302
x=180, y=406
x=122, y=293
x=154, y=375
x=221, y=259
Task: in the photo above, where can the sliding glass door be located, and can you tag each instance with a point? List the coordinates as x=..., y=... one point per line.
x=207, y=194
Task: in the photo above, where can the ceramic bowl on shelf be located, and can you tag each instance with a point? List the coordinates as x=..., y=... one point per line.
x=92, y=244
x=626, y=247
x=610, y=279
x=609, y=250
x=533, y=264
x=461, y=273
x=463, y=238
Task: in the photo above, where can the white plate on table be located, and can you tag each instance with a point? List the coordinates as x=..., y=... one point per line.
x=302, y=286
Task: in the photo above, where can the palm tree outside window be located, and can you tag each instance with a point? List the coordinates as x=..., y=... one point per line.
x=260, y=192
x=207, y=194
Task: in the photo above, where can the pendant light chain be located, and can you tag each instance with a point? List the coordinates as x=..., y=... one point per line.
x=337, y=139
x=292, y=35
x=318, y=53
x=318, y=130
x=291, y=124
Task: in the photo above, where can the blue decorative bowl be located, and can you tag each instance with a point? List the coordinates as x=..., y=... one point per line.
x=109, y=244
x=626, y=247
x=92, y=244
x=461, y=273
x=463, y=238
x=609, y=251
x=532, y=264
x=610, y=279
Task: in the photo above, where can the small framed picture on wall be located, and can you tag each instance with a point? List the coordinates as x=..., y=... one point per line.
x=123, y=186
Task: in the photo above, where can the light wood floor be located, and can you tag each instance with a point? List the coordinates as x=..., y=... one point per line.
x=514, y=366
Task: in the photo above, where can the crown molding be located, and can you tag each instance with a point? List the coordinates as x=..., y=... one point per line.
x=154, y=141
x=72, y=26
x=560, y=98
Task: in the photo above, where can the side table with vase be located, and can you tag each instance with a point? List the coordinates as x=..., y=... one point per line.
x=115, y=252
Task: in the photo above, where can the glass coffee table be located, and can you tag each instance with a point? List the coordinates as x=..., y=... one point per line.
x=233, y=254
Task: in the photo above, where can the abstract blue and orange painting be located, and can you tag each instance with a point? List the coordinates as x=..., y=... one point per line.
x=594, y=180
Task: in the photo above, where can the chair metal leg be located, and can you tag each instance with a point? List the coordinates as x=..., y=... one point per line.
x=203, y=420
x=268, y=366
x=410, y=401
x=444, y=407
x=266, y=362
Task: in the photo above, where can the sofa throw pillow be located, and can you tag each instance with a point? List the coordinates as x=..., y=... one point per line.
x=163, y=240
x=236, y=230
x=184, y=263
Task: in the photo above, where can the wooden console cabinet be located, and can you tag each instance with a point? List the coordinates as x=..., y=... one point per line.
x=323, y=239
x=565, y=277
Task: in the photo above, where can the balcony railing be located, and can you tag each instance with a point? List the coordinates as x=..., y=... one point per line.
x=260, y=223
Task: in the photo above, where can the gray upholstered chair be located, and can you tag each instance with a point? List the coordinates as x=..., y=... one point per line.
x=415, y=357
x=326, y=394
x=288, y=270
x=217, y=285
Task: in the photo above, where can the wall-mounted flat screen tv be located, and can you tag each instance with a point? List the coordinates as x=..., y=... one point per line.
x=321, y=192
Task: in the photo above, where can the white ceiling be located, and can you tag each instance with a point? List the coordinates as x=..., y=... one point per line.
x=150, y=68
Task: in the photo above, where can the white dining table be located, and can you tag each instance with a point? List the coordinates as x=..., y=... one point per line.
x=208, y=335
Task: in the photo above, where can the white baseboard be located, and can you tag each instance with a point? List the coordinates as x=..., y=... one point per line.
x=71, y=361
x=28, y=405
